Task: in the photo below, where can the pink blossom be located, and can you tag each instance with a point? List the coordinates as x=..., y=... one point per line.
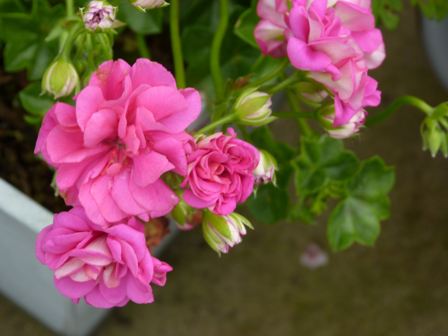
x=323, y=37
x=270, y=32
x=107, y=267
x=353, y=91
x=318, y=41
x=220, y=173
x=126, y=130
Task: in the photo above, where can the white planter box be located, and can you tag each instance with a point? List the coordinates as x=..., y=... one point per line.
x=435, y=35
x=28, y=283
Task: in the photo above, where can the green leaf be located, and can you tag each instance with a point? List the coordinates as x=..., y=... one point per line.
x=149, y=22
x=321, y=170
x=245, y=26
x=33, y=102
x=356, y=219
x=269, y=204
x=387, y=12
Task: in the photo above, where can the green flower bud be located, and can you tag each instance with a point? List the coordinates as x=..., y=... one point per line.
x=186, y=217
x=224, y=232
x=265, y=171
x=311, y=93
x=149, y=4
x=326, y=118
x=60, y=79
x=434, y=137
x=253, y=108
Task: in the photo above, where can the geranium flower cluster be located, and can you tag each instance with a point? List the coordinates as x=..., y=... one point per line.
x=120, y=155
x=336, y=42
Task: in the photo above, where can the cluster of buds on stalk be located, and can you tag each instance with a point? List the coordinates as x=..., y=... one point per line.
x=434, y=131
x=149, y=4
x=99, y=15
x=224, y=232
x=253, y=108
x=186, y=217
x=60, y=78
x=311, y=93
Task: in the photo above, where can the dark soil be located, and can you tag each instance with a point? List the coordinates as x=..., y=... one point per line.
x=18, y=165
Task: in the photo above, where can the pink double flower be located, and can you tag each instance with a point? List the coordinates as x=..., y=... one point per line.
x=336, y=41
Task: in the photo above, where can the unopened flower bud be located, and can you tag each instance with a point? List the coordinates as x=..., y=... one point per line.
x=186, y=217
x=149, y=4
x=265, y=171
x=99, y=15
x=434, y=137
x=60, y=79
x=311, y=93
x=224, y=232
x=253, y=108
x=347, y=130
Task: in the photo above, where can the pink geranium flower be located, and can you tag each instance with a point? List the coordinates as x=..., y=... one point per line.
x=126, y=130
x=270, y=32
x=220, y=173
x=107, y=267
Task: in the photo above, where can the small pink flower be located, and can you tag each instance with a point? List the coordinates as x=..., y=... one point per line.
x=220, y=173
x=108, y=267
x=270, y=32
x=314, y=257
x=126, y=130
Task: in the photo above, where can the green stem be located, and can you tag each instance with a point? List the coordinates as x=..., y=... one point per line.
x=142, y=46
x=224, y=120
x=303, y=125
x=176, y=44
x=69, y=40
x=70, y=7
x=270, y=75
x=294, y=115
x=284, y=84
x=215, y=55
x=395, y=105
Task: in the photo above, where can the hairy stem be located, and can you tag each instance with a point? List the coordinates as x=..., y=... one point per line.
x=142, y=46
x=303, y=125
x=215, y=55
x=395, y=105
x=224, y=120
x=176, y=45
x=70, y=7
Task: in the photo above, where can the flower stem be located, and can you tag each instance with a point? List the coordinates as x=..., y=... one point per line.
x=142, y=46
x=278, y=70
x=70, y=7
x=176, y=44
x=395, y=105
x=284, y=84
x=224, y=120
x=215, y=55
x=303, y=125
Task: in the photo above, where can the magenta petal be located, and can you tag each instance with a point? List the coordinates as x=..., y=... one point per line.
x=304, y=58
x=151, y=73
x=158, y=198
x=149, y=167
x=101, y=126
x=88, y=102
x=138, y=292
x=113, y=296
x=73, y=289
x=196, y=202
x=96, y=299
x=123, y=197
